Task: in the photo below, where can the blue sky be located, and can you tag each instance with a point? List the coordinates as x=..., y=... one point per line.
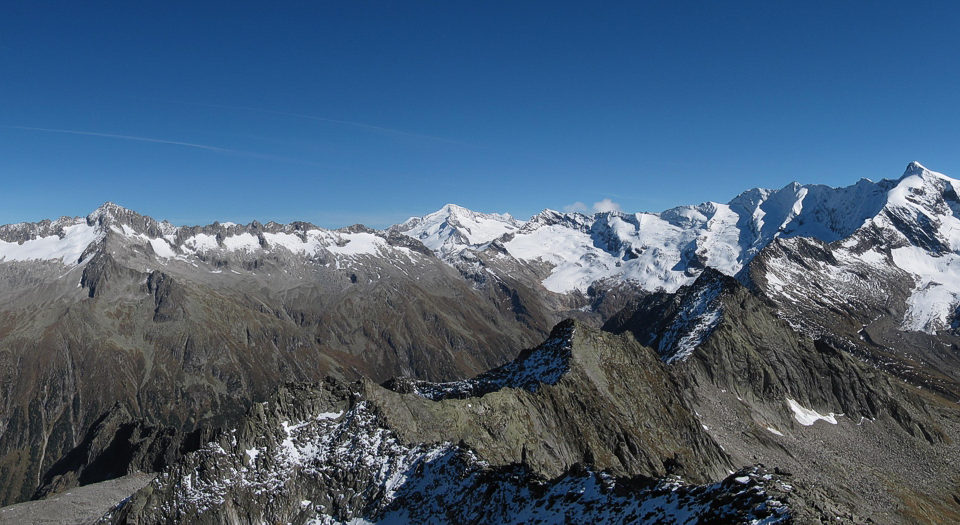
x=374, y=111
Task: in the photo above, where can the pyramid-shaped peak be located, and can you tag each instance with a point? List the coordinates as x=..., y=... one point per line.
x=109, y=212
x=914, y=168
x=455, y=210
x=452, y=228
x=112, y=214
x=919, y=170
x=109, y=208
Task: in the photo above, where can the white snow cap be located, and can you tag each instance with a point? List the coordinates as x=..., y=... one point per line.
x=453, y=228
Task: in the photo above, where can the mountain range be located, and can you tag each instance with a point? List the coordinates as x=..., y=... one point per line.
x=793, y=354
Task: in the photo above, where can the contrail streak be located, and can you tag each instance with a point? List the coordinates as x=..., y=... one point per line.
x=360, y=125
x=152, y=140
x=130, y=137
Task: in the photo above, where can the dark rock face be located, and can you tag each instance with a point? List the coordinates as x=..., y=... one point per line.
x=100, y=271
x=544, y=365
x=169, y=297
x=675, y=324
x=117, y=445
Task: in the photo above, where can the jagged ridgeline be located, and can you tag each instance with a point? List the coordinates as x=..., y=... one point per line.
x=286, y=372
x=516, y=452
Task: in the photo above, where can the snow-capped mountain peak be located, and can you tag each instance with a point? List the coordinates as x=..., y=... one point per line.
x=108, y=210
x=669, y=249
x=916, y=219
x=113, y=216
x=453, y=228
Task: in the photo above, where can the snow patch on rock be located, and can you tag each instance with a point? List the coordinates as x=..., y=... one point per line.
x=806, y=416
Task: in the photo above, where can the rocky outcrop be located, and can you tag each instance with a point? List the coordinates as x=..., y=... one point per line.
x=100, y=270
x=855, y=303
x=583, y=396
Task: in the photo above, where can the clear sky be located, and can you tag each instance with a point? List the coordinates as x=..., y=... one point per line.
x=375, y=111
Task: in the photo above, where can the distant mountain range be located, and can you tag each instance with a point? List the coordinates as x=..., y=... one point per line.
x=916, y=215
x=812, y=329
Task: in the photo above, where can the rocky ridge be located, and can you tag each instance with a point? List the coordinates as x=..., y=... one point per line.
x=335, y=452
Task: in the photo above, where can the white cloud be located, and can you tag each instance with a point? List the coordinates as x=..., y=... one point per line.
x=578, y=207
x=598, y=207
x=605, y=205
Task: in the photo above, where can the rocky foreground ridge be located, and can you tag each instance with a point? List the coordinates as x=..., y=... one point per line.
x=587, y=426
x=572, y=446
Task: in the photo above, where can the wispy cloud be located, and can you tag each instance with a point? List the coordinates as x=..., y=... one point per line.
x=351, y=123
x=598, y=207
x=153, y=140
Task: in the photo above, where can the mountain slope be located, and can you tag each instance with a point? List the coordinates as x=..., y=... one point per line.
x=186, y=324
x=769, y=393
x=885, y=293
